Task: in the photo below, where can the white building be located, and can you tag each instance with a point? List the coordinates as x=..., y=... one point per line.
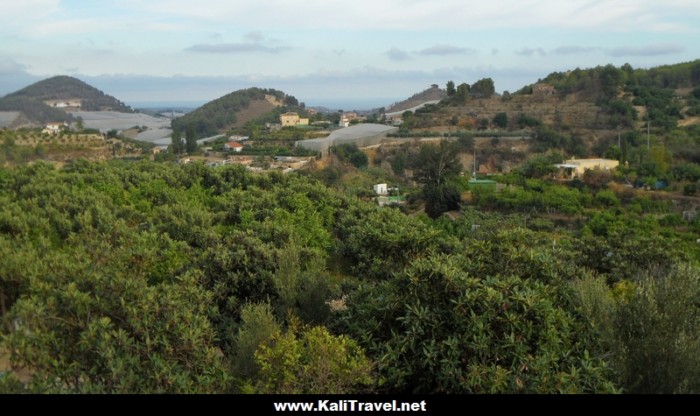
x=381, y=189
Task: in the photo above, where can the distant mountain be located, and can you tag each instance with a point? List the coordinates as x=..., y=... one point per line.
x=51, y=99
x=70, y=93
x=434, y=93
x=233, y=110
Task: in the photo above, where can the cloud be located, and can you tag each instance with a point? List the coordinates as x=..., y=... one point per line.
x=339, y=52
x=649, y=50
x=233, y=48
x=13, y=76
x=255, y=36
x=445, y=50
x=622, y=15
x=530, y=52
x=396, y=54
x=571, y=50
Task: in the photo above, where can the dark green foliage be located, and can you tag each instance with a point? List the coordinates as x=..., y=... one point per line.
x=451, y=91
x=501, y=120
x=649, y=326
x=434, y=167
x=219, y=115
x=352, y=154
x=435, y=164
x=34, y=109
x=447, y=325
x=440, y=199
x=190, y=140
x=658, y=327
x=527, y=121
x=483, y=88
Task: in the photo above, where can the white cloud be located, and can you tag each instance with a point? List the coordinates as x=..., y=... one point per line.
x=572, y=50
x=649, y=50
x=531, y=51
x=396, y=54
x=437, y=14
x=235, y=48
x=445, y=50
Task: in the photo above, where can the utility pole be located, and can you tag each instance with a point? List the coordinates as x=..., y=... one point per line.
x=648, y=133
x=618, y=140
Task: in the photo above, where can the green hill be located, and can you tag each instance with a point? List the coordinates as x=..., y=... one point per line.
x=67, y=89
x=583, y=100
x=46, y=101
x=233, y=110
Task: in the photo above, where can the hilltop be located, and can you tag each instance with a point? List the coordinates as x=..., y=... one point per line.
x=582, y=100
x=51, y=99
x=233, y=110
x=434, y=93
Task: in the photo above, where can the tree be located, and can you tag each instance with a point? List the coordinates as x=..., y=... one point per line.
x=176, y=141
x=257, y=327
x=501, y=120
x=462, y=92
x=483, y=88
x=311, y=362
x=451, y=91
x=190, y=139
x=434, y=167
x=435, y=164
x=463, y=326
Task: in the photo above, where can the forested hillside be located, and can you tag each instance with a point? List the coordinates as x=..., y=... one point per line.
x=232, y=110
x=128, y=277
x=66, y=88
x=34, y=110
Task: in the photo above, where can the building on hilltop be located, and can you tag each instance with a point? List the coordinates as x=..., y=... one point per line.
x=542, y=90
x=292, y=119
x=69, y=103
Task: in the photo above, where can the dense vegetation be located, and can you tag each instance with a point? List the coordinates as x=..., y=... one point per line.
x=34, y=110
x=219, y=115
x=147, y=277
x=131, y=277
x=618, y=90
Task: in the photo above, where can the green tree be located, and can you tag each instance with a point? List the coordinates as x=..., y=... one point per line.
x=258, y=326
x=451, y=325
x=434, y=168
x=501, y=120
x=483, y=88
x=176, y=141
x=451, y=91
x=435, y=164
x=462, y=93
x=190, y=139
x=311, y=362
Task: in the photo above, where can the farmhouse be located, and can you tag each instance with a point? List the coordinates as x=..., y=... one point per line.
x=54, y=128
x=69, y=103
x=577, y=167
x=292, y=119
x=543, y=90
x=235, y=146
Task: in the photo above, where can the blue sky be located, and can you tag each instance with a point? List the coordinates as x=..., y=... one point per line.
x=337, y=53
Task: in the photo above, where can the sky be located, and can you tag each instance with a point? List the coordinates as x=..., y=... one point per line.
x=345, y=54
